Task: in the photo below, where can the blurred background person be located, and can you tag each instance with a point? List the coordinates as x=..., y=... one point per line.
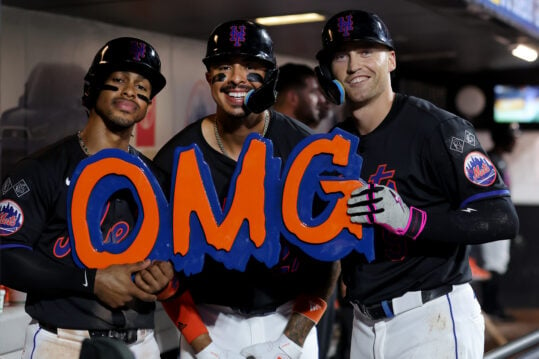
x=299, y=95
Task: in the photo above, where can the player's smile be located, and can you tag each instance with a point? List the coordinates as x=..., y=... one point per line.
x=359, y=83
x=360, y=86
x=358, y=79
x=236, y=97
x=232, y=95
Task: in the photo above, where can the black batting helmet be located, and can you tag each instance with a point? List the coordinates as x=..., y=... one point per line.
x=351, y=26
x=240, y=37
x=123, y=54
x=247, y=39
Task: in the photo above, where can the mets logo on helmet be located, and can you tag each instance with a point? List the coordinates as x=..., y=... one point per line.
x=237, y=35
x=138, y=50
x=345, y=25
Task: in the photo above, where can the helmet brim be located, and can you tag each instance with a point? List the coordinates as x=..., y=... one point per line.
x=157, y=80
x=209, y=60
x=326, y=53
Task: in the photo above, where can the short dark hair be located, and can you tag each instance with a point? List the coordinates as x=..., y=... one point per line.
x=293, y=76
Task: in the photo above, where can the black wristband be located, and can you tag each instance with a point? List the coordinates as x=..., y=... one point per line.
x=417, y=221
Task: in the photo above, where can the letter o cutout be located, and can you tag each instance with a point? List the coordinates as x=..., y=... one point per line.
x=89, y=177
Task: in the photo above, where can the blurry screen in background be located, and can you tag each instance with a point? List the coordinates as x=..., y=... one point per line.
x=516, y=104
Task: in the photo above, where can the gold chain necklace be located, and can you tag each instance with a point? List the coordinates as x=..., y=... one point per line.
x=220, y=141
x=82, y=144
x=86, y=151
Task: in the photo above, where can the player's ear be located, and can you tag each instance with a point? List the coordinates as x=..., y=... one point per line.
x=392, y=61
x=292, y=97
x=208, y=78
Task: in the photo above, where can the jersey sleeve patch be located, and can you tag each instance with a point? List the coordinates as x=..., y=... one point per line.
x=479, y=170
x=11, y=217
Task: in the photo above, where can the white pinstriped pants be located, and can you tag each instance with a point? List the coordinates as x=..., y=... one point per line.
x=448, y=327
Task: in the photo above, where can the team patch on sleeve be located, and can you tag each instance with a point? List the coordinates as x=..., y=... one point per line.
x=479, y=169
x=21, y=188
x=6, y=186
x=11, y=217
x=469, y=137
x=457, y=144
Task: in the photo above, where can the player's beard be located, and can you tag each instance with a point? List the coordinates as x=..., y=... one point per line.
x=118, y=123
x=308, y=113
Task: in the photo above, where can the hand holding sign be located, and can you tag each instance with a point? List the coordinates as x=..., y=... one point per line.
x=114, y=285
x=156, y=277
x=382, y=205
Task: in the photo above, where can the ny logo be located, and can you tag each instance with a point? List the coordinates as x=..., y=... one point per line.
x=345, y=25
x=237, y=35
x=138, y=50
x=383, y=176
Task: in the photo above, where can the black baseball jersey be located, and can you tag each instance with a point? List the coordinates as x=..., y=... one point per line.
x=34, y=195
x=257, y=288
x=434, y=160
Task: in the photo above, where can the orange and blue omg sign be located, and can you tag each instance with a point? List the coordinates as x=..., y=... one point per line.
x=305, y=203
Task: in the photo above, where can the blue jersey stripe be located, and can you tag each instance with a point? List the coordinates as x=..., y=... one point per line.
x=485, y=195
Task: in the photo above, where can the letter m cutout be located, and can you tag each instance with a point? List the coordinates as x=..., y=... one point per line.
x=241, y=228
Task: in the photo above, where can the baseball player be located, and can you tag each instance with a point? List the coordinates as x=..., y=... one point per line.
x=224, y=311
x=429, y=191
x=69, y=304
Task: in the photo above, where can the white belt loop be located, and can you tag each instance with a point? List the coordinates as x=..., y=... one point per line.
x=407, y=301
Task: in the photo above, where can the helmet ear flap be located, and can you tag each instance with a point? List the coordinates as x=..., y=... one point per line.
x=263, y=97
x=332, y=88
x=93, y=84
x=89, y=94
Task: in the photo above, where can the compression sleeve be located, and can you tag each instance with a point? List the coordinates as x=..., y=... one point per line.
x=479, y=222
x=26, y=271
x=184, y=314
